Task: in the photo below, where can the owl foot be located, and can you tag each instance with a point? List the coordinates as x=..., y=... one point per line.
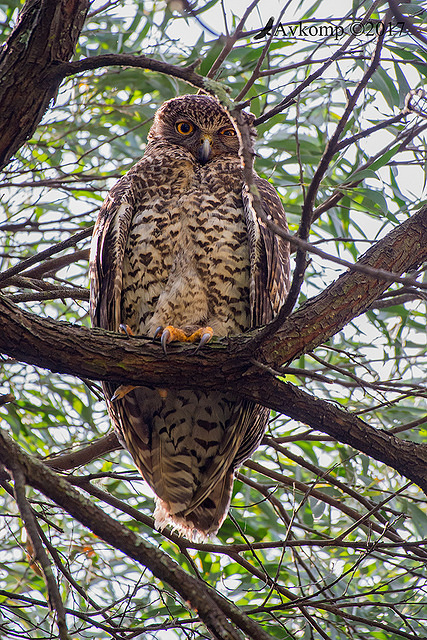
x=122, y=391
x=172, y=334
x=126, y=330
x=204, y=335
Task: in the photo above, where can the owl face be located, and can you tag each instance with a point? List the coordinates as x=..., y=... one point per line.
x=199, y=124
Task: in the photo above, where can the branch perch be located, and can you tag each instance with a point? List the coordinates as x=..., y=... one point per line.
x=191, y=589
x=229, y=364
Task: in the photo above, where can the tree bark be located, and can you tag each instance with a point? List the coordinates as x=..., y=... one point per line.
x=103, y=355
x=44, y=36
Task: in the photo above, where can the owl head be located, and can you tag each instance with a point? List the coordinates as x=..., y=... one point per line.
x=199, y=124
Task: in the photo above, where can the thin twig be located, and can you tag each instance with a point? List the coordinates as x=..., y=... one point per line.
x=40, y=553
x=255, y=74
x=231, y=41
x=42, y=255
x=308, y=206
x=316, y=74
x=388, y=276
x=73, y=293
x=394, y=6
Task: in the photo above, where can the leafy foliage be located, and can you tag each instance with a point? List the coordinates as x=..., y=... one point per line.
x=322, y=541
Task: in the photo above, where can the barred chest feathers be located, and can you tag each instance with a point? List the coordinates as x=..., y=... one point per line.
x=187, y=260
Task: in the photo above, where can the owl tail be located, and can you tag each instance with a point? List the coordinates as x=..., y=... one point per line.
x=203, y=520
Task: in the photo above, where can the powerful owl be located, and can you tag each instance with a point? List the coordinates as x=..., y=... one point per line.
x=179, y=253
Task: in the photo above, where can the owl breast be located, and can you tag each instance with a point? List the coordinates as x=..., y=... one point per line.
x=187, y=262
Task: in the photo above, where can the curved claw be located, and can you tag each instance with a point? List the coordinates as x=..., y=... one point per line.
x=157, y=332
x=166, y=336
x=121, y=391
x=204, y=339
x=126, y=330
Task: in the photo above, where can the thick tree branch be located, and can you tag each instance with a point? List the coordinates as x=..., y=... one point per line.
x=213, y=612
x=129, y=60
x=406, y=457
x=228, y=364
x=45, y=35
x=102, y=355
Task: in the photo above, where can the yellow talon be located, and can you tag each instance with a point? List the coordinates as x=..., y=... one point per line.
x=126, y=330
x=172, y=334
x=121, y=391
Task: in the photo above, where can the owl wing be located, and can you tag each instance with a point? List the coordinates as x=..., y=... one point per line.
x=107, y=253
x=269, y=287
x=269, y=254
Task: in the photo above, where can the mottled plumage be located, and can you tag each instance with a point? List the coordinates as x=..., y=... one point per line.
x=176, y=243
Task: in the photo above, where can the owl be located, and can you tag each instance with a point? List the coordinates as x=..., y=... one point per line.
x=179, y=254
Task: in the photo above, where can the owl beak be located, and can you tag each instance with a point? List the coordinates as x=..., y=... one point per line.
x=204, y=149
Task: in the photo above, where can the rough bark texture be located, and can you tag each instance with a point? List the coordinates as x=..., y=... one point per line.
x=45, y=35
x=102, y=355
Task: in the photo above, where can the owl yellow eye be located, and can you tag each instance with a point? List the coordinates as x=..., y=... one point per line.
x=184, y=127
x=228, y=131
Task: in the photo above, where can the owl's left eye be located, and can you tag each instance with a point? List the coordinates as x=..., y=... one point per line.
x=184, y=127
x=228, y=131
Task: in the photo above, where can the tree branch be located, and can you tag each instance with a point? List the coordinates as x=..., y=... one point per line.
x=400, y=18
x=129, y=60
x=228, y=364
x=39, y=550
x=263, y=386
x=231, y=40
x=102, y=355
x=192, y=590
x=46, y=33
x=86, y=454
